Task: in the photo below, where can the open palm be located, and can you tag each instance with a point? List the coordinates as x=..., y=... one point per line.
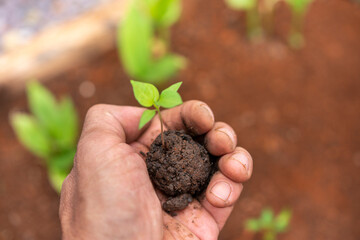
x=109, y=195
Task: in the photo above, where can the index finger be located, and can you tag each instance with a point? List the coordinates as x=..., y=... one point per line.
x=120, y=123
x=107, y=126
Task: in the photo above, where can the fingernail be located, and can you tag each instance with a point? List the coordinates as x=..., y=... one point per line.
x=230, y=134
x=242, y=159
x=221, y=190
x=208, y=110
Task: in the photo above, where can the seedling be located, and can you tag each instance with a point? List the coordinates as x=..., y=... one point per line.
x=173, y=155
x=267, y=11
x=144, y=40
x=268, y=224
x=50, y=132
x=260, y=17
x=299, y=9
x=253, y=21
x=148, y=96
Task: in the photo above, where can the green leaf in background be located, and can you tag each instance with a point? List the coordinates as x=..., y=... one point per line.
x=146, y=117
x=164, y=12
x=56, y=178
x=169, y=99
x=135, y=40
x=269, y=225
x=59, y=120
x=163, y=68
x=68, y=123
x=241, y=4
x=299, y=6
x=267, y=217
x=269, y=235
x=145, y=93
x=296, y=40
x=253, y=225
x=143, y=38
x=63, y=161
x=30, y=134
x=282, y=220
x=50, y=133
x=43, y=105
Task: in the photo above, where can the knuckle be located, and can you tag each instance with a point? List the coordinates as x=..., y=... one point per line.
x=95, y=109
x=221, y=124
x=66, y=190
x=194, y=102
x=65, y=184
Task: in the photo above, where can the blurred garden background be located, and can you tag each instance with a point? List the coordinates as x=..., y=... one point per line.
x=285, y=75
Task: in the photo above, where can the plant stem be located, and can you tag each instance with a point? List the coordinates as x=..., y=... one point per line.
x=269, y=235
x=162, y=127
x=296, y=39
x=253, y=24
x=164, y=34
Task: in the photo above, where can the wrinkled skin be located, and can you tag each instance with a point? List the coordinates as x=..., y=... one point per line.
x=108, y=194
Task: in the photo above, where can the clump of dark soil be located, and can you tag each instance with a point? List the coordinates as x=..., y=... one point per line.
x=181, y=169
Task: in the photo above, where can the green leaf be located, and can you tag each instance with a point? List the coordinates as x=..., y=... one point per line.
x=269, y=235
x=43, y=105
x=169, y=99
x=253, y=225
x=62, y=161
x=241, y=4
x=175, y=87
x=165, y=12
x=299, y=6
x=59, y=120
x=282, y=220
x=56, y=179
x=296, y=40
x=134, y=40
x=146, y=117
x=68, y=124
x=164, y=68
x=145, y=93
x=30, y=134
x=59, y=167
x=266, y=218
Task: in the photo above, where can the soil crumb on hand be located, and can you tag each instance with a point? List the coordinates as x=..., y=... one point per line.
x=177, y=203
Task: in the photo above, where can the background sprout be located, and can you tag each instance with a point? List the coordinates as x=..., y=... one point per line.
x=268, y=224
x=253, y=21
x=50, y=132
x=241, y=4
x=267, y=14
x=299, y=9
x=148, y=96
x=144, y=40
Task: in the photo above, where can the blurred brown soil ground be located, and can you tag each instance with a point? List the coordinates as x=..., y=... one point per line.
x=297, y=112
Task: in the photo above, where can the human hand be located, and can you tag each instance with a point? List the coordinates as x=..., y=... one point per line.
x=109, y=195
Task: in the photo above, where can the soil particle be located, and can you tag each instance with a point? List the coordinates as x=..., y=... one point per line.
x=177, y=203
x=180, y=170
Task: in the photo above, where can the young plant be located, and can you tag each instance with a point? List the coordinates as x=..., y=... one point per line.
x=268, y=224
x=267, y=11
x=50, y=132
x=299, y=9
x=144, y=40
x=253, y=21
x=148, y=96
x=260, y=17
